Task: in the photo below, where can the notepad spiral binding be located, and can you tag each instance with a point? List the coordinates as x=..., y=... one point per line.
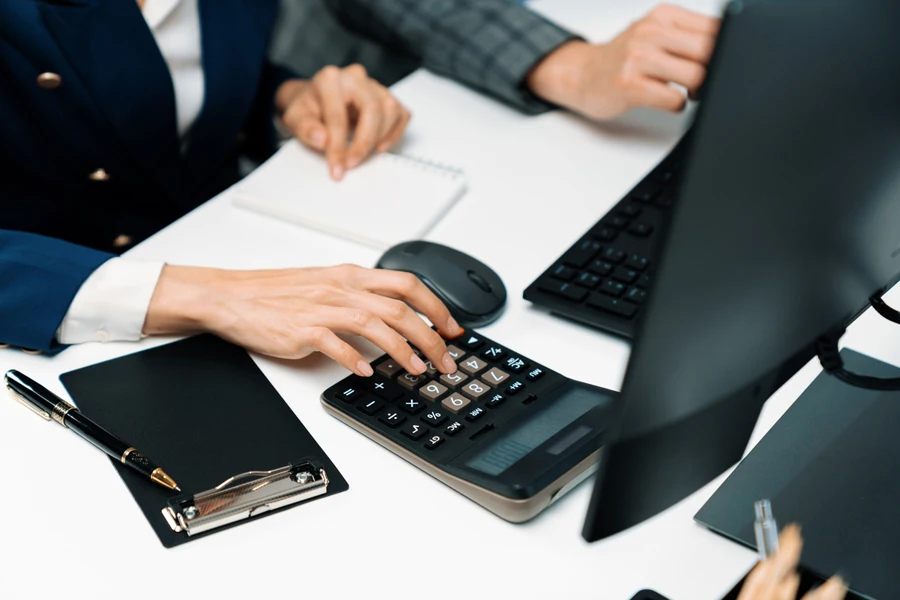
x=431, y=166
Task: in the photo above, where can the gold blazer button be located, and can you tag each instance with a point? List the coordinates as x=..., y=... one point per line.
x=49, y=81
x=99, y=175
x=30, y=351
x=122, y=241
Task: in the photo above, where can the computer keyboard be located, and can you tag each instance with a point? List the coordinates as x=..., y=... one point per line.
x=604, y=278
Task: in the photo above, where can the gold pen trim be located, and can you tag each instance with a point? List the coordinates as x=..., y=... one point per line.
x=126, y=453
x=60, y=410
x=42, y=414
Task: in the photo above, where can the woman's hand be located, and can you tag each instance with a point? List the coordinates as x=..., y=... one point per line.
x=777, y=578
x=321, y=111
x=292, y=313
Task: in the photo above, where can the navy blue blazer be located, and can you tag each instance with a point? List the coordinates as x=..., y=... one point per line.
x=90, y=158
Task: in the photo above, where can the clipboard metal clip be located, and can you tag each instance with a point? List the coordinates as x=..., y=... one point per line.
x=245, y=496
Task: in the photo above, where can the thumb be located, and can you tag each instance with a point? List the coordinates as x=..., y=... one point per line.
x=311, y=132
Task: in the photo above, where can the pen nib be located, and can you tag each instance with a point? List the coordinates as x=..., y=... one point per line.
x=159, y=476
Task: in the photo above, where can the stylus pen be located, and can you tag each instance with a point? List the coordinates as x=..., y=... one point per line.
x=49, y=406
x=765, y=528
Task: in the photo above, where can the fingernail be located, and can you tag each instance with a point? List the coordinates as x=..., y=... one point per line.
x=364, y=369
x=317, y=139
x=417, y=364
x=337, y=171
x=448, y=363
x=352, y=162
x=452, y=326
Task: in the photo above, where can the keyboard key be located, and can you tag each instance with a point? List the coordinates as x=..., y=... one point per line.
x=617, y=222
x=495, y=377
x=625, y=275
x=412, y=405
x=455, y=403
x=495, y=400
x=612, y=288
x=455, y=352
x=515, y=364
x=600, y=267
x=391, y=417
x=646, y=191
x=514, y=388
x=475, y=389
x=535, y=374
x=563, y=273
x=564, y=290
x=435, y=417
x=454, y=428
x=433, y=442
x=472, y=342
x=613, y=305
x=636, y=295
x=410, y=381
x=665, y=199
x=475, y=414
x=636, y=262
x=629, y=210
x=613, y=256
x=472, y=365
x=432, y=390
x=641, y=229
x=348, y=394
x=588, y=280
x=414, y=431
x=582, y=253
x=493, y=353
x=644, y=282
x=605, y=234
x=370, y=406
x=383, y=388
x=453, y=380
x=388, y=368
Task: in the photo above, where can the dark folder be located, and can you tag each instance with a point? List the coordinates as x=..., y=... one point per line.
x=201, y=409
x=831, y=464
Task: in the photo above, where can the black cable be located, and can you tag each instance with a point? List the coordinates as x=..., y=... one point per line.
x=830, y=356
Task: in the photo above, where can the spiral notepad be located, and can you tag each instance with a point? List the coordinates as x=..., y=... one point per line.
x=389, y=199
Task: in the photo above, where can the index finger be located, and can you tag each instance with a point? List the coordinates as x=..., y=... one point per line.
x=368, y=127
x=334, y=111
x=687, y=19
x=408, y=287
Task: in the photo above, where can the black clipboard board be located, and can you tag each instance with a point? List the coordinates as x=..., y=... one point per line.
x=202, y=410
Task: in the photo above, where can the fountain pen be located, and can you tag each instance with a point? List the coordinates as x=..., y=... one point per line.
x=49, y=406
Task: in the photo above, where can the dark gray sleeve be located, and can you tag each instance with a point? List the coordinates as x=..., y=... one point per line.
x=490, y=45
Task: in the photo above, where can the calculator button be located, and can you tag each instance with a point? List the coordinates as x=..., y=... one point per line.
x=453, y=379
x=348, y=394
x=454, y=428
x=475, y=414
x=495, y=377
x=410, y=381
x=432, y=390
x=370, y=406
x=382, y=387
x=475, y=389
x=472, y=365
x=514, y=388
x=455, y=352
x=414, y=431
x=535, y=374
x=412, y=405
x=473, y=342
x=433, y=442
x=430, y=368
x=392, y=417
x=434, y=417
x=493, y=353
x=388, y=368
x=455, y=403
x=515, y=364
x=495, y=400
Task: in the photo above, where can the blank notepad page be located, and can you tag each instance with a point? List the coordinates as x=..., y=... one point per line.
x=388, y=199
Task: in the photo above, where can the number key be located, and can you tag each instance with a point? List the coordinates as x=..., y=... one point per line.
x=410, y=381
x=453, y=379
x=472, y=365
x=495, y=377
x=432, y=390
x=455, y=352
x=475, y=389
x=455, y=403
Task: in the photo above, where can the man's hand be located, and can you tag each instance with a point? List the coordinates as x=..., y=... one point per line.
x=292, y=313
x=321, y=112
x=602, y=81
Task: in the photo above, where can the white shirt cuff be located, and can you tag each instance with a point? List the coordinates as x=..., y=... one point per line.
x=112, y=303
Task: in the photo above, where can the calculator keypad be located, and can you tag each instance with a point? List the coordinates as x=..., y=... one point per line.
x=440, y=415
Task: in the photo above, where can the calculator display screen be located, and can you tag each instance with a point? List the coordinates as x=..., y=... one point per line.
x=514, y=445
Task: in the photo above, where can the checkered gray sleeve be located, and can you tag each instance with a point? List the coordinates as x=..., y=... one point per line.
x=490, y=45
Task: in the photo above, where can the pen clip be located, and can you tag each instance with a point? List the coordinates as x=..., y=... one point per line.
x=21, y=400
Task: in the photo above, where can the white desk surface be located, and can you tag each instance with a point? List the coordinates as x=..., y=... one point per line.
x=69, y=526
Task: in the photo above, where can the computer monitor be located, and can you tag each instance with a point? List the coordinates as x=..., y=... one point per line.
x=786, y=222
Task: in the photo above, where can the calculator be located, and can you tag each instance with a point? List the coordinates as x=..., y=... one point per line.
x=504, y=430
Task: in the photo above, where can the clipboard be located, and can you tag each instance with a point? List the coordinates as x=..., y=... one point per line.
x=203, y=409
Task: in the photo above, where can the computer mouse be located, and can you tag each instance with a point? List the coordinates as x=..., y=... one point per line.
x=472, y=291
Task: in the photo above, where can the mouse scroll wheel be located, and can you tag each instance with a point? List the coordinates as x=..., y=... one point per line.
x=479, y=281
